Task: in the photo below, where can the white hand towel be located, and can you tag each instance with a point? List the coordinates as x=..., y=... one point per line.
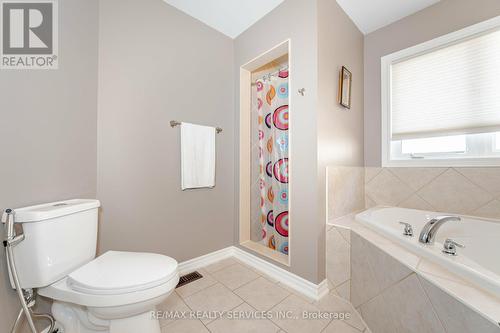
x=197, y=156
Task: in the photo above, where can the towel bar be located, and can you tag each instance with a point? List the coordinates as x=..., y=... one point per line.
x=174, y=123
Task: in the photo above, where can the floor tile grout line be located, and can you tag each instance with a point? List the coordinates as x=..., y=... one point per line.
x=253, y=280
x=345, y=322
x=211, y=275
x=352, y=308
x=275, y=311
x=361, y=317
x=297, y=293
x=232, y=290
x=213, y=321
x=279, y=328
x=244, y=284
x=217, y=281
x=291, y=294
x=231, y=309
x=259, y=275
x=196, y=292
x=182, y=300
x=193, y=310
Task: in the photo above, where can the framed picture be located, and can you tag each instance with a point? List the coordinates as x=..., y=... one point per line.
x=345, y=87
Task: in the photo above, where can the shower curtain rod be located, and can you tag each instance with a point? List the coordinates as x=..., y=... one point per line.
x=271, y=74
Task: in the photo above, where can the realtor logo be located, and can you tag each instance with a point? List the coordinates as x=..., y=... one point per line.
x=29, y=34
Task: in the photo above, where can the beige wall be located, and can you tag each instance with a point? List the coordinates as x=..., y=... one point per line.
x=442, y=18
x=321, y=133
x=48, y=135
x=297, y=20
x=340, y=130
x=157, y=64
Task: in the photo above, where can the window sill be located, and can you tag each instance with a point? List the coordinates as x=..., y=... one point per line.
x=458, y=162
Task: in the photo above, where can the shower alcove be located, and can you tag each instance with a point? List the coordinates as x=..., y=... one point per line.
x=264, y=224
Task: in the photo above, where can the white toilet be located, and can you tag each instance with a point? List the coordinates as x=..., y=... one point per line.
x=115, y=292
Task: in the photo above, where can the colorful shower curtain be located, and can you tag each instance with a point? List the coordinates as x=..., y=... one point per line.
x=271, y=101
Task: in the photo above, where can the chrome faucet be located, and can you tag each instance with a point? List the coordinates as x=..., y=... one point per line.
x=429, y=231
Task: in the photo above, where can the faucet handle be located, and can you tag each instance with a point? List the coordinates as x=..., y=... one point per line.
x=408, y=229
x=450, y=247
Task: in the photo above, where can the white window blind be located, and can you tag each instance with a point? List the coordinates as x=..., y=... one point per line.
x=450, y=90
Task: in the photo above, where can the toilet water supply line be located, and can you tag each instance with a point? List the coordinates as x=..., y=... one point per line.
x=24, y=295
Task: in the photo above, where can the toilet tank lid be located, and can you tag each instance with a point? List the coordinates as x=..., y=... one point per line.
x=52, y=210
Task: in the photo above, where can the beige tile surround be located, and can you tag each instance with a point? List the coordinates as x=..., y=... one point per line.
x=397, y=291
x=469, y=191
x=380, y=285
x=338, y=261
x=393, y=298
x=345, y=191
x=230, y=285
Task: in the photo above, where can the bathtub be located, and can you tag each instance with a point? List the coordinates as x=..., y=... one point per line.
x=478, y=262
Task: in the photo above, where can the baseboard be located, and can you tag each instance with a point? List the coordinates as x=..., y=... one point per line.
x=204, y=260
x=291, y=280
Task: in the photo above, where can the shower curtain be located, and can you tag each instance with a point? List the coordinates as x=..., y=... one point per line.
x=270, y=98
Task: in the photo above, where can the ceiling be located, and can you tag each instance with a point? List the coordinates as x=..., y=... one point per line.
x=370, y=15
x=231, y=17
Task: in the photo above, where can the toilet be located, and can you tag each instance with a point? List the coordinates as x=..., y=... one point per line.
x=116, y=292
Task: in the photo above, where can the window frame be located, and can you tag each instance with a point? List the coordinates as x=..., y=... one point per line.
x=386, y=85
x=496, y=142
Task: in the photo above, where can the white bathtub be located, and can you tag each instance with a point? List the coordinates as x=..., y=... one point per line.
x=478, y=262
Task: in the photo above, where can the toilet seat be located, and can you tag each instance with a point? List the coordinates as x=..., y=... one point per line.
x=122, y=272
x=159, y=277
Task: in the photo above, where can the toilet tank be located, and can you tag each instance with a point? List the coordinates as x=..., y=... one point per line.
x=59, y=237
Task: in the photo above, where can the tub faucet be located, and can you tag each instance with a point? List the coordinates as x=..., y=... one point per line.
x=429, y=231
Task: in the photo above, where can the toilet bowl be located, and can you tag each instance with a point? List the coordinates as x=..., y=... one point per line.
x=116, y=292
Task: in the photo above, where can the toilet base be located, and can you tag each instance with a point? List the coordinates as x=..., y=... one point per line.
x=77, y=319
x=140, y=323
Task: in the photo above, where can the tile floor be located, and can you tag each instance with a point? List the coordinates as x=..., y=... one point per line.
x=230, y=285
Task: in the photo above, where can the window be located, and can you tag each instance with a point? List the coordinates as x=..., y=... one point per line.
x=441, y=100
x=446, y=144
